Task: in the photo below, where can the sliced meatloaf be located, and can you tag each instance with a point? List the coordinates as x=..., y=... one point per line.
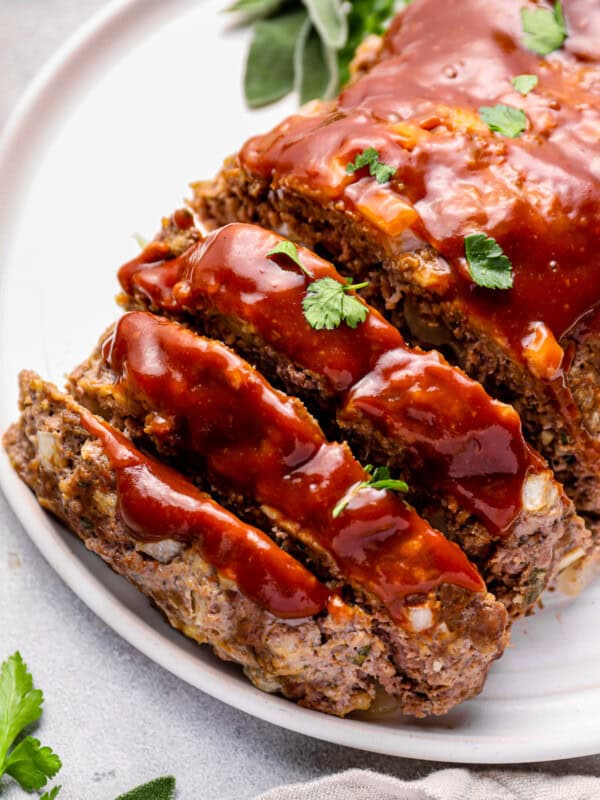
x=224, y=583
x=433, y=110
x=469, y=469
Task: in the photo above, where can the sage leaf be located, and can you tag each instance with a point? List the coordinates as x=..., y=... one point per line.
x=316, y=72
x=330, y=18
x=254, y=9
x=270, y=66
x=158, y=789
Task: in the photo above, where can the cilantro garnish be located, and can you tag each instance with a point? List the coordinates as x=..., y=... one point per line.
x=507, y=120
x=158, y=789
x=545, y=30
x=489, y=266
x=52, y=794
x=327, y=304
x=525, y=83
x=379, y=479
x=370, y=158
x=20, y=706
x=290, y=250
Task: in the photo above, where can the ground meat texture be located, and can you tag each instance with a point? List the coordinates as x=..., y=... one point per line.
x=519, y=563
x=323, y=663
x=535, y=346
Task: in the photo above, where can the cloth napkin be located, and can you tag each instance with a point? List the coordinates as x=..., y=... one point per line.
x=448, y=784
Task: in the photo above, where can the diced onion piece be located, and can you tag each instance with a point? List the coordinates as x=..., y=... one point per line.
x=420, y=618
x=539, y=493
x=47, y=450
x=163, y=551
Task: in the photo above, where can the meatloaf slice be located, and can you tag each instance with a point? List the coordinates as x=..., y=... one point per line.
x=332, y=661
x=443, y=69
x=470, y=471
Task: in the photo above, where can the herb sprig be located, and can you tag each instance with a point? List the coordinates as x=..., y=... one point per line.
x=525, y=83
x=305, y=45
x=327, y=304
x=545, y=30
x=489, y=266
x=380, y=478
x=289, y=249
x=506, y=120
x=22, y=757
x=377, y=169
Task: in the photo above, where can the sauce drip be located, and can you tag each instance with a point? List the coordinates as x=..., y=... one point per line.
x=538, y=195
x=157, y=503
x=473, y=446
x=256, y=441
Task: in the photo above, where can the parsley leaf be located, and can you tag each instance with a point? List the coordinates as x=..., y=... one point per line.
x=489, y=266
x=545, y=30
x=52, y=794
x=290, y=250
x=20, y=706
x=525, y=83
x=158, y=789
x=31, y=765
x=379, y=479
x=507, y=120
x=326, y=305
x=370, y=158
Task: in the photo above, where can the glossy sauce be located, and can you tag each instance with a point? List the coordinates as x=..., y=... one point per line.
x=537, y=195
x=156, y=503
x=263, y=444
x=473, y=445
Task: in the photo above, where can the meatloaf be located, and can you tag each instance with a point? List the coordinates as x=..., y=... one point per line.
x=222, y=582
x=469, y=469
x=431, y=113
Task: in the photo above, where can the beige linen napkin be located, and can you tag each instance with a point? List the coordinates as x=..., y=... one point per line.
x=448, y=784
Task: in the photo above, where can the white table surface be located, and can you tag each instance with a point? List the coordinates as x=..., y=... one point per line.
x=115, y=718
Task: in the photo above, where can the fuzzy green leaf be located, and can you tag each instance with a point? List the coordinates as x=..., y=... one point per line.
x=489, y=266
x=316, y=71
x=158, y=789
x=545, y=30
x=270, y=65
x=330, y=18
x=525, y=83
x=254, y=9
x=506, y=120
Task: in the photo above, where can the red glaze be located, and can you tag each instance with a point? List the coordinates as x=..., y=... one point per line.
x=230, y=273
x=255, y=440
x=157, y=503
x=538, y=195
x=461, y=441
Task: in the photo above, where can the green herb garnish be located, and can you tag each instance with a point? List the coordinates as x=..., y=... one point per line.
x=525, y=83
x=290, y=250
x=306, y=45
x=23, y=758
x=379, y=479
x=506, y=120
x=158, y=789
x=370, y=158
x=545, y=30
x=489, y=266
x=52, y=794
x=327, y=304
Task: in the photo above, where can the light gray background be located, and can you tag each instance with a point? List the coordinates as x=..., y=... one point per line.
x=116, y=718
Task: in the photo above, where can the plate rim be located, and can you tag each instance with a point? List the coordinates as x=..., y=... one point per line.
x=424, y=744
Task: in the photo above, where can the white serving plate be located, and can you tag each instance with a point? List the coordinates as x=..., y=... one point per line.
x=145, y=98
